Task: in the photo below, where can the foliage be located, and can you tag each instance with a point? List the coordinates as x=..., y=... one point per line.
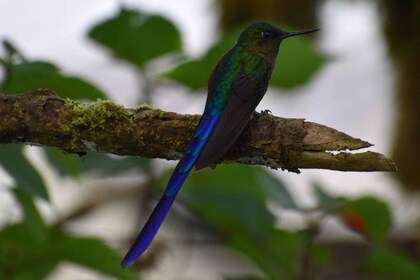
x=231, y=200
x=298, y=54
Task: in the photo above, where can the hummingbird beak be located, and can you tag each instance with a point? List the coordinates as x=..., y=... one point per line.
x=295, y=33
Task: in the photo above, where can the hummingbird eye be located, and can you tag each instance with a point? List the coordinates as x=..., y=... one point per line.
x=267, y=34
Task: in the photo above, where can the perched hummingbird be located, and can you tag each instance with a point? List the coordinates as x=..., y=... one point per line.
x=236, y=86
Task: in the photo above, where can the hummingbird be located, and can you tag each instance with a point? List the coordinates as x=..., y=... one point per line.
x=236, y=86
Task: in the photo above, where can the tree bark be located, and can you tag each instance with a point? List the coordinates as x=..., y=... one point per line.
x=42, y=118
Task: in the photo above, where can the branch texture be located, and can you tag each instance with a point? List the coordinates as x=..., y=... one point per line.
x=42, y=118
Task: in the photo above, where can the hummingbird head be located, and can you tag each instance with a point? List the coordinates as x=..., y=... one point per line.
x=264, y=39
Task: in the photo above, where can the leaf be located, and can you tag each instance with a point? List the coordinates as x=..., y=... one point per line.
x=27, y=76
x=278, y=256
x=26, y=176
x=33, y=221
x=91, y=253
x=73, y=165
x=22, y=256
x=368, y=216
x=230, y=199
x=195, y=73
x=137, y=37
x=64, y=164
x=277, y=191
x=390, y=264
x=297, y=62
x=325, y=200
x=109, y=165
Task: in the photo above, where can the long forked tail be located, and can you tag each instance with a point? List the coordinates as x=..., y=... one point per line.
x=178, y=177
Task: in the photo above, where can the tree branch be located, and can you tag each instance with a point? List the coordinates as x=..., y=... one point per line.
x=42, y=118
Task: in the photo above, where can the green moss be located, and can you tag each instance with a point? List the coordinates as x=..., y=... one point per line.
x=92, y=118
x=146, y=106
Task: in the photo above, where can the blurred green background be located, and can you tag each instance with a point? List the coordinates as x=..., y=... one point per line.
x=70, y=217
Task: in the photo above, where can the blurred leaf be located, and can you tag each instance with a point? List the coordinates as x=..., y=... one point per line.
x=367, y=215
x=297, y=62
x=64, y=164
x=137, y=37
x=231, y=199
x=278, y=256
x=325, y=200
x=26, y=176
x=22, y=256
x=37, y=74
x=73, y=165
x=33, y=221
x=91, y=253
x=107, y=164
x=195, y=73
x=277, y=191
x=34, y=269
x=244, y=278
x=391, y=264
x=11, y=49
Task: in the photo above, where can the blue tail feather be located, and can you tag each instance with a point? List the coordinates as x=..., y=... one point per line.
x=178, y=177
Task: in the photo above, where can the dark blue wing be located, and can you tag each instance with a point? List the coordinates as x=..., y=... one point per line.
x=245, y=96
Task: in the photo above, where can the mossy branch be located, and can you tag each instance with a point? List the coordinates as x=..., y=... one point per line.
x=42, y=118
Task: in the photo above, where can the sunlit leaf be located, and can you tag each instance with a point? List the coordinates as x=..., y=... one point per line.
x=137, y=37
x=367, y=215
x=391, y=264
x=28, y=76
x=25, y=175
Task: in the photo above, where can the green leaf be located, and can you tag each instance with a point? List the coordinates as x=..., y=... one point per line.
x=244, y=278
x=33, y=221
x=369, y=216
x=195, y=73
x=136, y=37
x=73, y=165
x=34, y=269
x=325, y=200
x=278, y=256
x=91, y=253
x=22, y=256
x=27, y=76
x=297, y=62
x=231, y=199
x=109, y=165
x=65, y=164
x=390, y=264
x=26, y=176
x=277, y=191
